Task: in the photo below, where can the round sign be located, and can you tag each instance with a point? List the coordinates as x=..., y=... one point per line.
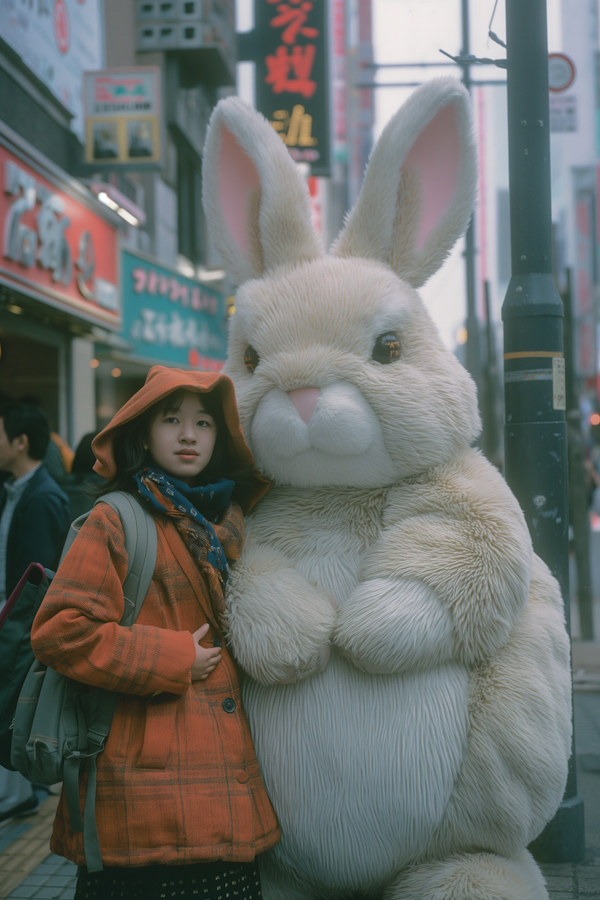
x=561, y=72
x=61, y=26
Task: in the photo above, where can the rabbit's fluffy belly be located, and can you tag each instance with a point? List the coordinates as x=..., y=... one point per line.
x=360, y=768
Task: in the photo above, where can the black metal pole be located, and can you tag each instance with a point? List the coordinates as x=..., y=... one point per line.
x=535, y=430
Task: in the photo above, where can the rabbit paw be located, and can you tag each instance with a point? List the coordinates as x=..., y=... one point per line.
x=394, y=625
x=302, y=668
x=288, y=646
x=279, y=624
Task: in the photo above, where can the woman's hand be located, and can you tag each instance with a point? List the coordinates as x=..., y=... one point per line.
x=206, y=658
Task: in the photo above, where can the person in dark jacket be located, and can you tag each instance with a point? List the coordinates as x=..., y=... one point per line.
x=34, y=511
x=34, y=518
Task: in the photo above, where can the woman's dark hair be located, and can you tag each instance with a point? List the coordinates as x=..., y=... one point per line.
x=84, y=459
x=131, y=453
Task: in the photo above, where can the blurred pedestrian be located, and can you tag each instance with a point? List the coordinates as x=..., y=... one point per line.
x=592, y=468
x=34, y=517
x=58, y=458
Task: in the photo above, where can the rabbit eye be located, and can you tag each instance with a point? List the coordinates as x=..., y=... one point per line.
x=387, y=348
x=251, y=358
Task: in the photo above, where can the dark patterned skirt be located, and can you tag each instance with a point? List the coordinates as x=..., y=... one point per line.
x=198, y=881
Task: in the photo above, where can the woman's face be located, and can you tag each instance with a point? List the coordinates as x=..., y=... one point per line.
x=181, y=441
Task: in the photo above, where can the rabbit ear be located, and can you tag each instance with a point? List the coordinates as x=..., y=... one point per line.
x=255, y=200
x=419, y=187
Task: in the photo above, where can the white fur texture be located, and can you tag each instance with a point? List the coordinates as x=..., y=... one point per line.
x=479, y=876
x=409, y=689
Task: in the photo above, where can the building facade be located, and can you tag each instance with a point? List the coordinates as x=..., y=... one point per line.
x=59, y=266
x=106, y=269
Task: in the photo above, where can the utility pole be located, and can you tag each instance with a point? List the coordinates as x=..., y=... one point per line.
x=535, y=430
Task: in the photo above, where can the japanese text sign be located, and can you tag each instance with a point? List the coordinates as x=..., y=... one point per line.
x=122, y=117
x=290, y=49
x=54, y=246
x=170, y=318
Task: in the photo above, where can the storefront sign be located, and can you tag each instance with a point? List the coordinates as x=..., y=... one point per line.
x=58, y=40
x=170, y=318
x=122, y=117
x=290, y=49
x=55, y=247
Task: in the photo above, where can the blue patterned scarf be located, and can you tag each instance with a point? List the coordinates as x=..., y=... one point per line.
x=203, y=504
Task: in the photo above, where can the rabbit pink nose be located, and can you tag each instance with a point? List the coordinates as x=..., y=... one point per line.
x=305, y=400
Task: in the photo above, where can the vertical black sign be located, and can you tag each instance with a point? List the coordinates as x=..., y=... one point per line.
x=290, y=49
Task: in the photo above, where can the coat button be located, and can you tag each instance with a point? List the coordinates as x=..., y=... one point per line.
x=242, y=777
x=229, y=704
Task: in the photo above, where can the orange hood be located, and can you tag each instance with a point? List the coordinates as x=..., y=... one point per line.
x=162, y=381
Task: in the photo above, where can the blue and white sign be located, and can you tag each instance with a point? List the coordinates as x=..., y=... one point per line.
x=170, y=318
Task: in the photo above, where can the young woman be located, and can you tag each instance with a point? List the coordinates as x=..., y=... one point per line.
x=181, y=808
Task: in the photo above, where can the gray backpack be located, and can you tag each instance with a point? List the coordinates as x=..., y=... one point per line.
x=60, y=724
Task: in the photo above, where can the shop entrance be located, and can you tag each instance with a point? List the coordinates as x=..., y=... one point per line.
x=30, y=368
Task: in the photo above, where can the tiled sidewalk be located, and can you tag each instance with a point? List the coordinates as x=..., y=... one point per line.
x=54, y=879
x=568, y=882
x=27, y=868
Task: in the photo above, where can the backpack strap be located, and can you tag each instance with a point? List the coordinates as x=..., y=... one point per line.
x=139, y=530
x=140, y=542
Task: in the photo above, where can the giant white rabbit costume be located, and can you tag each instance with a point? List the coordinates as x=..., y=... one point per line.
x=409, y=689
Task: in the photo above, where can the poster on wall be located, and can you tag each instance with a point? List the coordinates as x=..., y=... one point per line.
x=171, y=319
x=123, y=117
x=289, y=45
x=58, y=40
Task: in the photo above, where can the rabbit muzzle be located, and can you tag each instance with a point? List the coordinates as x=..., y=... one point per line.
x=316, y=436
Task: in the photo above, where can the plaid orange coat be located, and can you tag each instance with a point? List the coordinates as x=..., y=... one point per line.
x=178, y=781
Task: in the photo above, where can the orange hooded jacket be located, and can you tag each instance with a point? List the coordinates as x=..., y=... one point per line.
x=178, y=781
